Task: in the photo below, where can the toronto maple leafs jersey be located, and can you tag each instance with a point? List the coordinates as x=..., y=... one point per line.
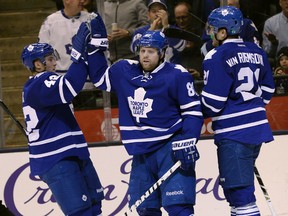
x=238, y=83
x=152, y=106
x=58, y=31
x=52, y=130
x=175, y=45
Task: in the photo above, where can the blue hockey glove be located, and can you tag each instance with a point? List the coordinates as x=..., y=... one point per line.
x=98, y=32
x=79, y=42
x=185, y=150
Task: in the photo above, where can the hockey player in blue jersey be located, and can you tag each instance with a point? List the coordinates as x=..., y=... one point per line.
x=238, y=83
x=160, y=120
x=58, y=151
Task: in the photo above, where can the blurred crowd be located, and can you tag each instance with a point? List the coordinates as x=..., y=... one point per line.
x=265, y=23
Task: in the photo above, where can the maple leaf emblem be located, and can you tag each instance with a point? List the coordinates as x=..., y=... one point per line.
x=206, y=74
x=139, y=106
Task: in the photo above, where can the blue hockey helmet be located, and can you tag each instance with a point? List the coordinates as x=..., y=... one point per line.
x=228, y=17
x=36, y=51
x=153, y=39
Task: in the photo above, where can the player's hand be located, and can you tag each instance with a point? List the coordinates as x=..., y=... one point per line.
x=99, y=36
x=185, y=150
x=196, y=74
x=79, y=42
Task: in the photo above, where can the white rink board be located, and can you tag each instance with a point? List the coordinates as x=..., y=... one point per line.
x=31, y=197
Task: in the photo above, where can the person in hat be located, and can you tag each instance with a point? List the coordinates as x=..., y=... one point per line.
x=158, y=16
x=282, y=61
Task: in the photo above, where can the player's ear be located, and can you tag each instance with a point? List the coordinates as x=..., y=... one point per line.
x=39, y=67
x=222, y=34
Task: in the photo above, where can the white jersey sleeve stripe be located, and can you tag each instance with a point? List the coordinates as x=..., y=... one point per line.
x=180, y=46
x=193, y=113
x=80, y=145
x=228, y=129
x=214, y=97
x=61, y=90
x=194, y=103
x=238, y=114
x=267, y=89
x=133, y=128
x=210, y=107
x=147, y=139
x=108, y=84
x=70, y=87
x=53, y=139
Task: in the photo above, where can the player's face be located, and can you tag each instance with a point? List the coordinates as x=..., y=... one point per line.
x=210, y=31
x=149, y=58
x=51, y=62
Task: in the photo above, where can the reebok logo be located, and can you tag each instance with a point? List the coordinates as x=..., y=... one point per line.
x=174, y=193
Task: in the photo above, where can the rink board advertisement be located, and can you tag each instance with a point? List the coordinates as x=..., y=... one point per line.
x=28, y=196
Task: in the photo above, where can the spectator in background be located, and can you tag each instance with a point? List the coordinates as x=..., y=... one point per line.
x=158, y=16
x=275, y=32
x=191, y=57
x=59, y=28
x=249, y=32
x=124, y=16
x=282, y=61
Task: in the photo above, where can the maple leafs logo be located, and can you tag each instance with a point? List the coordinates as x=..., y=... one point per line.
x=206, y=74
x=138, y=106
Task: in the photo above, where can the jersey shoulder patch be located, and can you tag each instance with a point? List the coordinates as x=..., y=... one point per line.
x=210, y=54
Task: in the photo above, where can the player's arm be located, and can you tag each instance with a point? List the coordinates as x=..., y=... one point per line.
x=267, y=84
x=184, y=144
x=214, y=94
x=190, y=106
x=52, y=89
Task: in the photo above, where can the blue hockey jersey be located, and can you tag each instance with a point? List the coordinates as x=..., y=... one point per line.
x=52, y=130
x=238, y=83
x=152, y=106
x=175, y=45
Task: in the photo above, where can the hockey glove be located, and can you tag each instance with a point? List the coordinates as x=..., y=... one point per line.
x=185, y=150
x=79, y=42
x=98, y=32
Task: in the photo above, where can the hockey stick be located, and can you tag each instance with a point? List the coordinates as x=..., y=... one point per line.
x=11, y=115
x=153, y=187
x=264, y=190
x=196, y=17
x=181, y=34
